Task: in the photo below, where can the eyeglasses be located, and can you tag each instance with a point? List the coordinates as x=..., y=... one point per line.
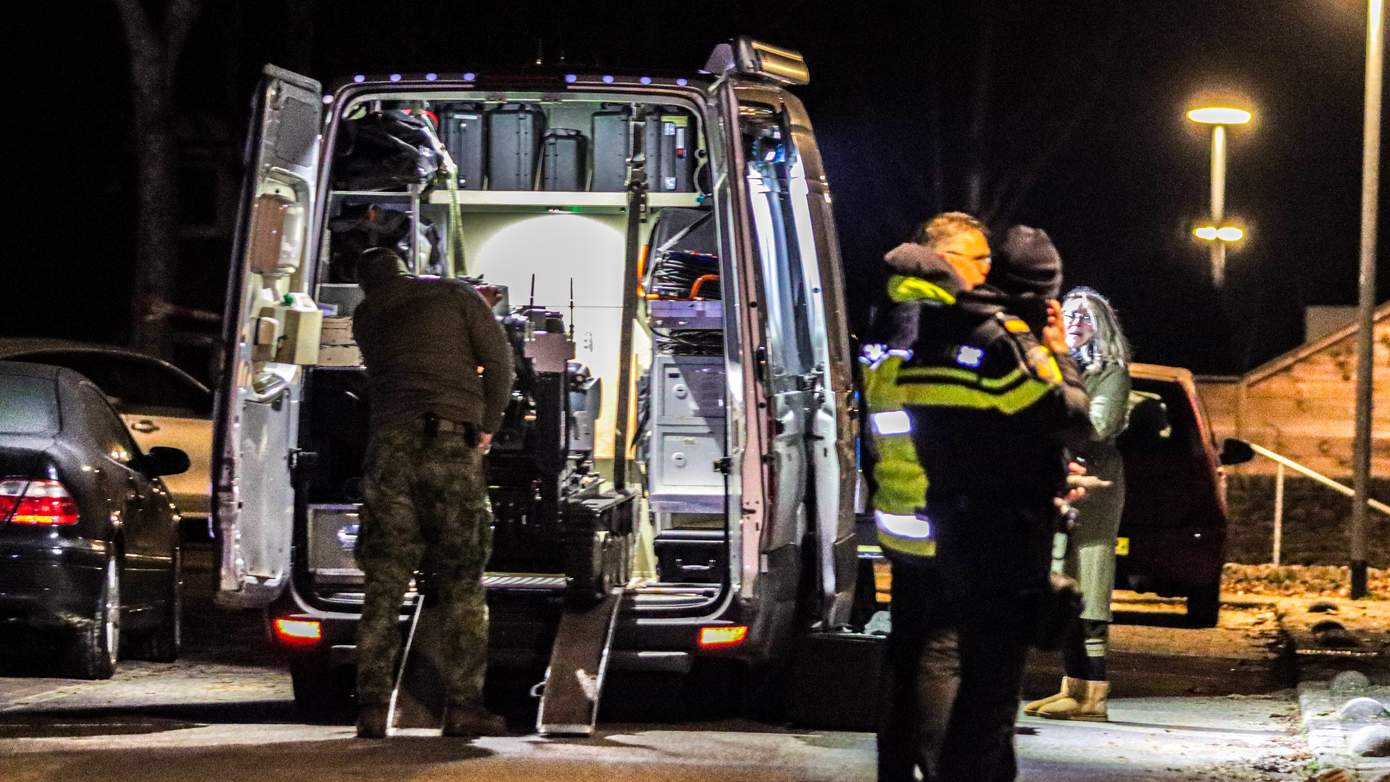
x=1078, y=315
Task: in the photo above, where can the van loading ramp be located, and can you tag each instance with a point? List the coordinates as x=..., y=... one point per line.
x=573, y=682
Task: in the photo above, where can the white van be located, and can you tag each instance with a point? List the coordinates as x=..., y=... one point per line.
x=719, y=376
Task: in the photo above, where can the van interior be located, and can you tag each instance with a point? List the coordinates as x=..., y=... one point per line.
x=538, y=207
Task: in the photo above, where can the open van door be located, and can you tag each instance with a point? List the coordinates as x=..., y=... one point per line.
x=804, y=362
x=268, y=331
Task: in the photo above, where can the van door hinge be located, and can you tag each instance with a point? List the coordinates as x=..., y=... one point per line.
x=724, y=465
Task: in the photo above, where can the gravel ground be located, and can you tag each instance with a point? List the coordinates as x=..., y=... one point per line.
x=1299, y=581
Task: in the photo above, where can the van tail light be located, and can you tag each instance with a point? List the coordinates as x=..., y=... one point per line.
x=722, y=637
x=38, y=502
x=298, y=632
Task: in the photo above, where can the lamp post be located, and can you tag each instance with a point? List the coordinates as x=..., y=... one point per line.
x=1370, y=188
x=1217, y=233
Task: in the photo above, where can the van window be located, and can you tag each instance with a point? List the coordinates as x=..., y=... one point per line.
x=771, y=158
x=28, y=405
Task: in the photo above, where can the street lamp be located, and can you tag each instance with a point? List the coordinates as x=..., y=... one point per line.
x=1217, y=233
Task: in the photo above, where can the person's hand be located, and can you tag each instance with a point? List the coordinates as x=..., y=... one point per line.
x=485, y=442
x=1054, y=334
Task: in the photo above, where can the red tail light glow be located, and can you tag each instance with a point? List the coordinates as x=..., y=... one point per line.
x=722, y=637
x=36, y=502
x=298, y=632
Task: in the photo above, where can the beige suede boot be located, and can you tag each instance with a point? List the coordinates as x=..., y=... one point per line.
x=1089, y=707
x=1071, y=688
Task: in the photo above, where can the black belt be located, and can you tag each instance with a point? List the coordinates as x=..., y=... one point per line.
x=432, y=424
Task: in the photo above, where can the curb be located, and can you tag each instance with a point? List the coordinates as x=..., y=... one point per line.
x=1328, y=735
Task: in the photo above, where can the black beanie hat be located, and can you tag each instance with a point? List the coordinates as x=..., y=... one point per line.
x=378, y=265
x=1028, y=263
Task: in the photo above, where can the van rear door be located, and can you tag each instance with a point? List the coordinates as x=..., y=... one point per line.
x=258, y=394
x=805, y=356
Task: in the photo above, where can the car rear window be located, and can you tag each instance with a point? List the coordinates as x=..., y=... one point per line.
x=28, y=405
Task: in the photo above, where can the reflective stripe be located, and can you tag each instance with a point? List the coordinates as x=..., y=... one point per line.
x=954, y=395
x=891, y=422
x=902, y=525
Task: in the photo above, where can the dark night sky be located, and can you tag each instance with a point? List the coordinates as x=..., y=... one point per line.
x=1119, y=197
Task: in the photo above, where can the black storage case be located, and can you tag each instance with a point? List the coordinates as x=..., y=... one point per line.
x=670, y=148
x=835, y=681
x=514, y=141
x=465, y=136
x=610, y=138
x=564, y=159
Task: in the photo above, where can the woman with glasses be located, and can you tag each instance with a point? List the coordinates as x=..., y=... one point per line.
x=1099, y=346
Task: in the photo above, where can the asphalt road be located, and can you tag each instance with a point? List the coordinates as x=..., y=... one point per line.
x=1197, y=704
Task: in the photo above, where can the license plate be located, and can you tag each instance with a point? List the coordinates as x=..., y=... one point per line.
x=1121, y=547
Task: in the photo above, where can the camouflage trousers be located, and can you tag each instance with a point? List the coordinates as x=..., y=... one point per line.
x=425, y=507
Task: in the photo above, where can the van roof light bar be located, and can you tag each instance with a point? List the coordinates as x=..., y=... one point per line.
x=763, y=60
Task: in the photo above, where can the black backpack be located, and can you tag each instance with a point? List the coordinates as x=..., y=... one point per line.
x=385, y=150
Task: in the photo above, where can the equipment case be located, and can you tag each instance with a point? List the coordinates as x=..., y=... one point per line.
x=465, y=136
x=610, y=137
x=670, y=149
x=562, y=166
x=514, y=139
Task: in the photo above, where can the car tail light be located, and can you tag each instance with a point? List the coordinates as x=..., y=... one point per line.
x=298, y=632
x=38, y=502
x=722, y=637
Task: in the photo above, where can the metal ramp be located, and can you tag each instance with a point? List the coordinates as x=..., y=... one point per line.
x=578, y=664
x=418, y=698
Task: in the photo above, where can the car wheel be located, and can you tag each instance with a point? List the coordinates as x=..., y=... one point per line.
x=322, y=692
x=1204, y=606
x=93, y=656
x=162, y=643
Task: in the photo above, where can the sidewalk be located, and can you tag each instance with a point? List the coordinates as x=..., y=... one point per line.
x=1342, y=650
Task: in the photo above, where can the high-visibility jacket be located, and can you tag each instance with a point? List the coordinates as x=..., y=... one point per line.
x=900, y=482
x=992, y=410
x=962, y=399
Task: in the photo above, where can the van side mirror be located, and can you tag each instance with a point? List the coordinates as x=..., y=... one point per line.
x=1236, y=451
x=165, y=461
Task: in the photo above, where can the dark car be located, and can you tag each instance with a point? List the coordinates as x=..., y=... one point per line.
x=89, y=542
x=160, y=404
x=1173, y=531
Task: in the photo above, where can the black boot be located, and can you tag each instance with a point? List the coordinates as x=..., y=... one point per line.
x=471, y=721
x=371, y=721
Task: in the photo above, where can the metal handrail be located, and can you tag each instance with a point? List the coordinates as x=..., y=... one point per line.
x=1284, y=461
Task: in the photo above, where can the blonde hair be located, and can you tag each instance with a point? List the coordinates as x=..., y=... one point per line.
x=1109, y=345
x=944, y=226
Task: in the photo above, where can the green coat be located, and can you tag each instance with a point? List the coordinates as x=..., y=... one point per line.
x=1091, y=555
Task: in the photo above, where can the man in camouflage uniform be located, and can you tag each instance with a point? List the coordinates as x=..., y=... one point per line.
x=439, y=373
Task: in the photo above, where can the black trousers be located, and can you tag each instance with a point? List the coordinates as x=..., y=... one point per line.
x=962, y=622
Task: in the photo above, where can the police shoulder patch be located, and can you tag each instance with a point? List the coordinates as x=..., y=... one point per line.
x=969, y=356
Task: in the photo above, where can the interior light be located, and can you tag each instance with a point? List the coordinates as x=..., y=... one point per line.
x=1206, y=233
x=470, y=76
x=359, y=78
x=645, y=80
x=431, y=77
x=682, y=82
x=394, y=77
x=327, y=99
x=571, y=78
x=722, y=637
x=1229, y=233
x=607, y=79
x=298, y=632
x=1219, y=115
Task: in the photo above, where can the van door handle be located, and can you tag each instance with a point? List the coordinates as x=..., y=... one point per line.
x=145, y=426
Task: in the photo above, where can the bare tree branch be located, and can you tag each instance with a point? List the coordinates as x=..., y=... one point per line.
x=178, y=24
x=138, y=30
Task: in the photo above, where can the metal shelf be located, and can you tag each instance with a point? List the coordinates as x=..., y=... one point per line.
x=533, y=200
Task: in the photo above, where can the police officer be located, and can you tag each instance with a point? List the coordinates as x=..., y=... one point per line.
x=988, y=408
x=439, y=373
